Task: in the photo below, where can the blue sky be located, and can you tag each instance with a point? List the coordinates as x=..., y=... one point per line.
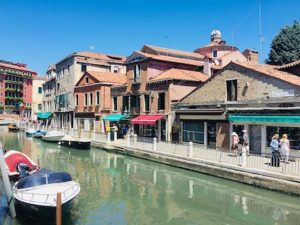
x=41, y=32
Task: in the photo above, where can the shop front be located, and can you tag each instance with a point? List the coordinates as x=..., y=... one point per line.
x=261, y=128
x=150, y=126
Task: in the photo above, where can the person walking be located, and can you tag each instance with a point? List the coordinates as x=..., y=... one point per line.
x=285, y=147
x=275, y=159
x=235, y=143
x=245, y=141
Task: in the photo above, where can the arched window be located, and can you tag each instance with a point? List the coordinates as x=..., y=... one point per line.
x=91, y=98
x=98, y=98
x=85, y=99
x=76, y=103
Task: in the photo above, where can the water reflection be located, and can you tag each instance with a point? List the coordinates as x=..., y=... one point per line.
x=117, y=189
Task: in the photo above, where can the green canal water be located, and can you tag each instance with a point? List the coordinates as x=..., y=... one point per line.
x=120, y=190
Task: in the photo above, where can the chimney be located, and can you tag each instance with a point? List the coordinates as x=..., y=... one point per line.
x=207, y=67
x=251, y=56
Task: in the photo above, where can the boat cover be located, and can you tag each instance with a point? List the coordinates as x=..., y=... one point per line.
x=42, y=177
x=13, y=158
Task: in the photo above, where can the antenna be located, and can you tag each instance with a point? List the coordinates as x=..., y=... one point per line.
x=261, y=38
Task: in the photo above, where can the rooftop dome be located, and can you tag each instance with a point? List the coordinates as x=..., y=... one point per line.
x=215, y=33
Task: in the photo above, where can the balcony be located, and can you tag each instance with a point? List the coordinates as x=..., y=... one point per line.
x=14, y=82
x=13, y=90
x=13, y=98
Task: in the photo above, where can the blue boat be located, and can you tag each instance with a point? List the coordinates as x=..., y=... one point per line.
x=35, y=195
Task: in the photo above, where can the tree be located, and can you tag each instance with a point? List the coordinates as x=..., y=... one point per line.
x=285, y=47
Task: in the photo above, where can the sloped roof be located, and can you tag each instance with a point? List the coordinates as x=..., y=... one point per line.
x=271, y=71
x=295, y=63
x=179, y=74
x=172, y=52
x=171, y=59
x=98, y=55
x=108, y=77
x=16, y=67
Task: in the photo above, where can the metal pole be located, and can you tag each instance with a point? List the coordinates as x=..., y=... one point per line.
x=7, y=184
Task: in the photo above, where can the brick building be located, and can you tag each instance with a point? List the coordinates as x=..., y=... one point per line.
x=259, y=98
x=92, y=98
x=156, y=79
x=16, y=88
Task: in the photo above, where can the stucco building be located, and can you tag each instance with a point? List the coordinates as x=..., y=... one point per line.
x=37, y=93
x=49, y=90
x=16, y=88
x=70, y=69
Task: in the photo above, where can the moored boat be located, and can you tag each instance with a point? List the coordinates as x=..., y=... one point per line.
x=13, y=127
x=39, y=133
x=18, y=164
x=35, y=195
x=53, y=136
x=30, y=132
x=70, y=141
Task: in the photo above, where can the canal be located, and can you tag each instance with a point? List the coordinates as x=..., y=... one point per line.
x=120, y=190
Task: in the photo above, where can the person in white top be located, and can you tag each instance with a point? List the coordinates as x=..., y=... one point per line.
x=285, y=147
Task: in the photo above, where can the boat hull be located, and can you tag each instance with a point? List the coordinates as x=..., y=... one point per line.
x=44, y=213
x=52, y=138
x=76, y=144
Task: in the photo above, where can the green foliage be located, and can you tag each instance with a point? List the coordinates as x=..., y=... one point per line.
x=285, y=47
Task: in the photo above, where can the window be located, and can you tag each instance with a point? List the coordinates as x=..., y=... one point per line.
x=40, y=90
x=85, y=99
x=86, y=80
x=98, y=98
x=135, y=101
x=76, y=103
x=39, y=106
x=147, y=102
x=161, y=101
x=193, y=131
x=136, y=75
x=91, y=98
x=68, y=69
x=83, y=68
x=115, y=99
x=231, y=86
x=215, y=53
x=125, y=101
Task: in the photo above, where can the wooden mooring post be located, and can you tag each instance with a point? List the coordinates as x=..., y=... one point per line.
x=58, y=209
x=7, y=186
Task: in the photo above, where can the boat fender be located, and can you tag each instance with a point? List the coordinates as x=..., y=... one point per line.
x=69, y=142
x=59, y=143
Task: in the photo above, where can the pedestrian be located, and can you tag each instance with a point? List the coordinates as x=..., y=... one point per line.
x=274, y=143
x=245, y=143
x=275, y=158
x=235, y=143
x=285, y=147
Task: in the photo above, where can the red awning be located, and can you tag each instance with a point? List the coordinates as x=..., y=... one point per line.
x=146, y=119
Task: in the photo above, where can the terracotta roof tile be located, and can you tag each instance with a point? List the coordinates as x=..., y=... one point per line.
x=175, y=52
x=16, y=67
x=108, y=77
x=102, y=56
x=179, y=74
x=172, y=59
x=288, y=65
x=271, y=71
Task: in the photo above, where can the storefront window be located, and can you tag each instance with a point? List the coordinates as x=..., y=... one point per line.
x=293, y=134
x=193, y=131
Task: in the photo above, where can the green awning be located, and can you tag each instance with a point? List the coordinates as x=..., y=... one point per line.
x=115, y=117
x=264, y=119
x=44, y=115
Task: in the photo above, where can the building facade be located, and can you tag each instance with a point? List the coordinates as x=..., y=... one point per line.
x=156, y=79
x=258, y=98
x=16, y=88
x=92, y=99
x=37, y=93
x=69, y=70
x=49, y=90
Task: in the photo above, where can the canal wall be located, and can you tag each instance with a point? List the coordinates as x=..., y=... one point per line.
x=258, y=178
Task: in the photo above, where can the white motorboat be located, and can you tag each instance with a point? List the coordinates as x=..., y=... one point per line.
x=53, y=136
x=70, y=141
x=35, y=195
